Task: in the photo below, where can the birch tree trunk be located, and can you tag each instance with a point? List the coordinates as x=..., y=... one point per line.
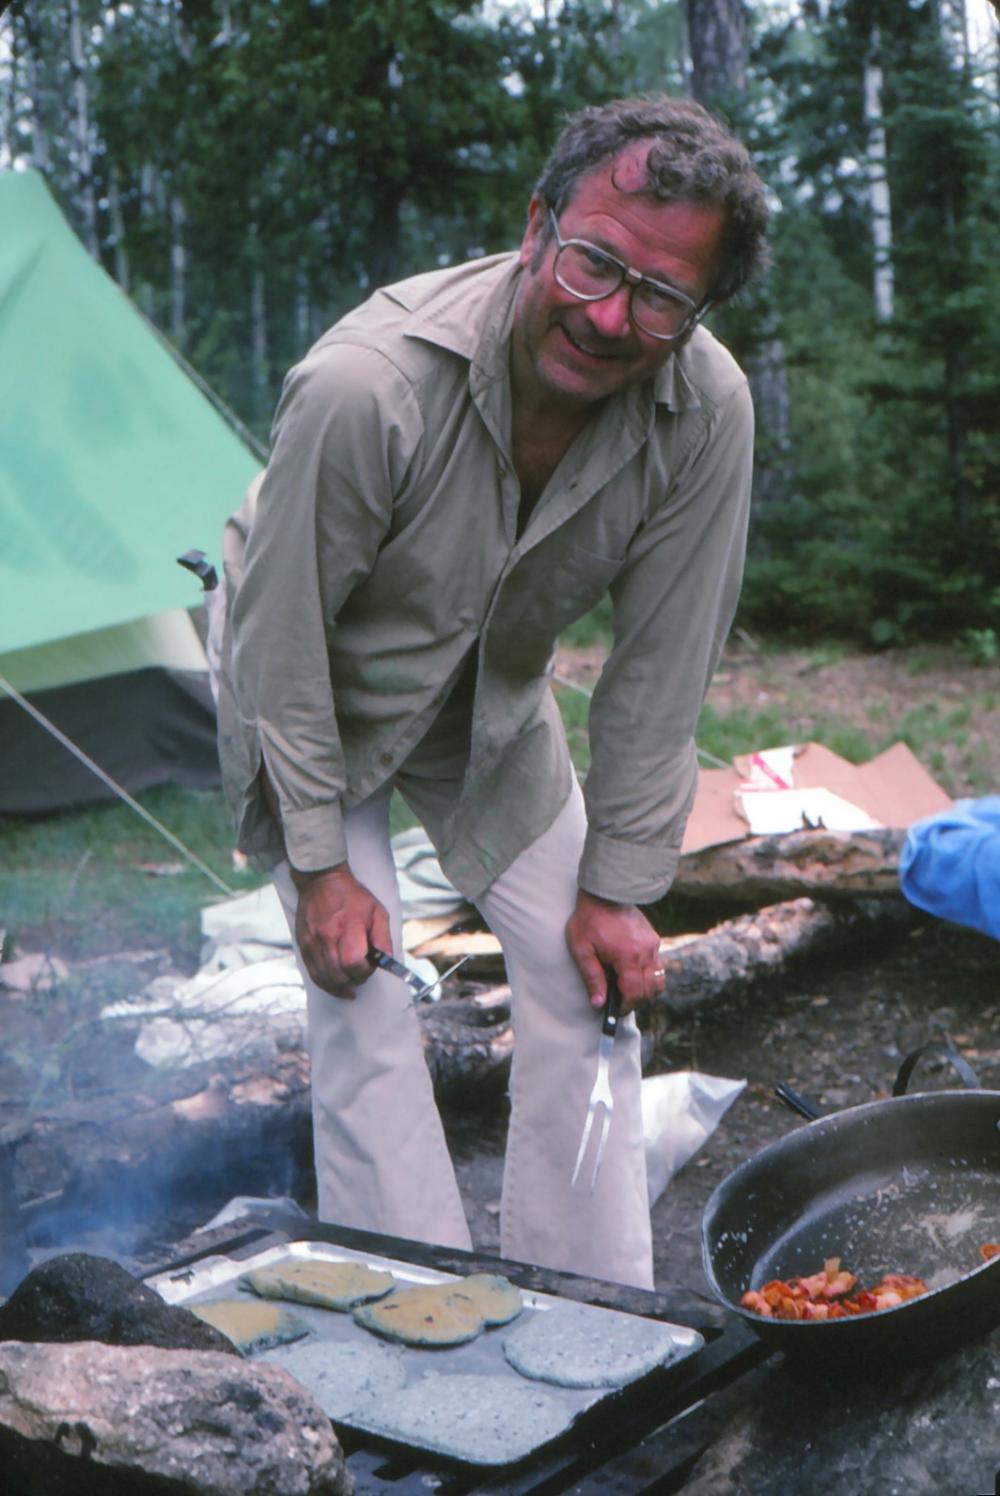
x=303, y=307
x=83, y=154
x=386, y=232
x=717, y=44
x=878, y=183
x=118, y=229
x=258, y=323
x=9, y=100
x=953, y=23
x=40, y=155
x=178, y=269
x=151, y=206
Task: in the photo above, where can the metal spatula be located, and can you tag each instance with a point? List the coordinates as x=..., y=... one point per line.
x=601, y=1095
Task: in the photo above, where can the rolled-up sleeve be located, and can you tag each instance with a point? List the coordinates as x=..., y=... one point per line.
x=674, y=601
x=344, y=435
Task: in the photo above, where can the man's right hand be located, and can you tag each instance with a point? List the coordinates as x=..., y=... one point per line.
x=337, y=921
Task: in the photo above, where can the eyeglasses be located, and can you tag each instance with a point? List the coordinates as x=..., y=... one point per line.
x=591, y=274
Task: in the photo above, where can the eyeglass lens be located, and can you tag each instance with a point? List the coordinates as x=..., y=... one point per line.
x=588, y=274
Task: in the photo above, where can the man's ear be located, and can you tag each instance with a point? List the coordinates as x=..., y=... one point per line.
x=534, y=233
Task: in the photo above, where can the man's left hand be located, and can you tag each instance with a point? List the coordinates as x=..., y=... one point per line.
x=603, y=936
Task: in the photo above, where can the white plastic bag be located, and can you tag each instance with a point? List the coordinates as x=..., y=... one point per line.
x=680, y=1111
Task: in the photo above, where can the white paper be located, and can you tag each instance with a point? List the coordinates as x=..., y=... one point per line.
x=771, y=812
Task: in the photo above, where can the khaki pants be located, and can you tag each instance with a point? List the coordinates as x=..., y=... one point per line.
x=382, y=1162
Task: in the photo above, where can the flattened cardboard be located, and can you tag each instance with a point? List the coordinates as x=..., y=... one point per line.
x=893, y=788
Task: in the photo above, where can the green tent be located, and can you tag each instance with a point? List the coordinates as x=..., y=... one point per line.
x=112, y=463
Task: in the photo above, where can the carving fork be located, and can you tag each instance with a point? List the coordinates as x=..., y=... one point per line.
x=601, y=1095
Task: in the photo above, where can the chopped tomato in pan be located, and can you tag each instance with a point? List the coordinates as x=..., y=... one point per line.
x=822, y=1296
x=989, y=1250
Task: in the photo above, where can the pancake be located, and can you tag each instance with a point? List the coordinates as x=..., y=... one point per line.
x=344, y=1377
x=252, y=1327
x=484, y=1419
x=327, y=1285
x=443, y=1314
x=575, y=1345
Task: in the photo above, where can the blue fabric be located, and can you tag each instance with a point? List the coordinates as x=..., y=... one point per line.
x=950, y=864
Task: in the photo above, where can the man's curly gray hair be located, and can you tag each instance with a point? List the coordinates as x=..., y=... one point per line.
x=692, y=157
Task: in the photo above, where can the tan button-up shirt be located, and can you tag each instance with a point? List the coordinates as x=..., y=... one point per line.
x=381, y=546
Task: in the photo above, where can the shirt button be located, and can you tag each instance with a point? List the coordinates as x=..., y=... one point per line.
x=386, y=758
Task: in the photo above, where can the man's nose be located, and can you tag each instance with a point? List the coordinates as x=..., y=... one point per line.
x=611, y=316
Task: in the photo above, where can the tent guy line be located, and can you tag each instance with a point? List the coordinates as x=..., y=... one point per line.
x=122, y=794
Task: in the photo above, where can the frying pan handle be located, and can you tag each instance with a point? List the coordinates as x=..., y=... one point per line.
x=943, y=1051
x=796, y=1102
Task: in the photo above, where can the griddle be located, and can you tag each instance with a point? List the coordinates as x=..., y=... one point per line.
x=642, y=1437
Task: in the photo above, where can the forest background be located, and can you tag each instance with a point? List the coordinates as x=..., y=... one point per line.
x=247, y=170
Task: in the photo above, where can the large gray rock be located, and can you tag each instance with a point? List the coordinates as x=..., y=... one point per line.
x=914, y=1430
x=93, y=1417
x=77, y=1296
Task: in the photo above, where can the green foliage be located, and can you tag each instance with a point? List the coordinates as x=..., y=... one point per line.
x=981, y=646
x=741, y=731
x=890, y=530
x=77, y=879
x=319, y=149
x=574, y=707
x=594, y=628
x=300, y=153
x=926, y=729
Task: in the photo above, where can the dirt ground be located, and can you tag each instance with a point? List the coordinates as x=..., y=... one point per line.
x=837, y=1032
x=946, y=708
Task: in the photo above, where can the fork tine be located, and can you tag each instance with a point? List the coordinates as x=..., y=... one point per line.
x=600, y=1094
x=605, y=1129
x=588, y=1128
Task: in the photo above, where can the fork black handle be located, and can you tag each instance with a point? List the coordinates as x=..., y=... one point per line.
x=612, y=1007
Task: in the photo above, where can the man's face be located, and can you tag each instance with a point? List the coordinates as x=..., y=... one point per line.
x=574, y=352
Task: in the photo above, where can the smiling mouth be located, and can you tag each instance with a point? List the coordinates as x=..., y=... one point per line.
x=583, y=348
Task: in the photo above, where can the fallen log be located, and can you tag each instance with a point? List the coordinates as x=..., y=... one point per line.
x=479, y=949
x=468, y=1042
x=730, y=959
x=826, y=864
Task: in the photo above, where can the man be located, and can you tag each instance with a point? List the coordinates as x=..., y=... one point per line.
x=460, y=468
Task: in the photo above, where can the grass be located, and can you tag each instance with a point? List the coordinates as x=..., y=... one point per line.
x=927, y=729
x=80, y=881
x=724, y=736
x=574, y=707
x=593, y=629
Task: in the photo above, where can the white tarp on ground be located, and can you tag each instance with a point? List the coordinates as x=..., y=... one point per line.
x=248, y=990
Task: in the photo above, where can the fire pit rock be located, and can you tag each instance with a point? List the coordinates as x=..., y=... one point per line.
x=76, y=1296
x=143, y=1421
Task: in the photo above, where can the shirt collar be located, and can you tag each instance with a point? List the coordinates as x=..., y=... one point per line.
x=471, y=316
